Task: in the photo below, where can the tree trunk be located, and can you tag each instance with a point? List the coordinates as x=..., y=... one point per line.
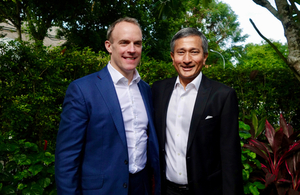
x=292, y=32
x=284, y=13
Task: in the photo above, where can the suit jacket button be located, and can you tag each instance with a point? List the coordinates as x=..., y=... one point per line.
x=125, y=185
x=125, y=162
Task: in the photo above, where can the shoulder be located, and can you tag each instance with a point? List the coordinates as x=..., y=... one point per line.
x=216, y=86
x=93, y=77
x=162, y=83
x=144, y=84
x=86, y=78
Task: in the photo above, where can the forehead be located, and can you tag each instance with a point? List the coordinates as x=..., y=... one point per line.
x=127, y=31
x=190, y=42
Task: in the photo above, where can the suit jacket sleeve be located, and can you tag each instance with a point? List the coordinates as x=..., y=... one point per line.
x=70, y=140
x=230, y=148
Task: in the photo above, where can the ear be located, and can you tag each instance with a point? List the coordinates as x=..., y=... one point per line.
x=205, y=58
x=108, y=46
x=172, y=56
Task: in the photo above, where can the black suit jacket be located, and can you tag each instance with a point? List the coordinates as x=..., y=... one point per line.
x=213, y=155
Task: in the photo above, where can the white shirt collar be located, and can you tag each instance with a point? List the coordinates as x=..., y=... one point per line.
x=195, y=83
x=117, y=77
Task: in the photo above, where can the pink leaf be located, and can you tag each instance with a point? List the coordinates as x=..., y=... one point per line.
x=286, y=130
x=270, y=133
x=270, y=178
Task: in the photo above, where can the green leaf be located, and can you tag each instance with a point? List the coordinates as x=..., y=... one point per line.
x=11, y=147
x=261, y=126
x=259, y=185
x=53, y=192
x=244, y=135
x=32, y=146
x=254, y=190
x=47, y=154
x=35, y=169
x=7, y=190
x=254, y=121
x=10, y=166
x=244, y=126
x=246, y=174
x=45, y=182
x=21, y=186
x=252, y=155
x=34, y=189
x=246, y=166
x=19, y=158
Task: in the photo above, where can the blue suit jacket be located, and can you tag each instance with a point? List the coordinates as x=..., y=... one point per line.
x=91, y=151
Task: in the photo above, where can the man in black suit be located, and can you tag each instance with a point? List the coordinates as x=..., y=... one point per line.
x=196, y=120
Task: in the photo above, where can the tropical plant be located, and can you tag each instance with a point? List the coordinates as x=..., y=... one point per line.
x=250, y=163
x=280, y=158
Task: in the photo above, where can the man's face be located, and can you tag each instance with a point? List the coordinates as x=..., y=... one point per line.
x=125, y=47
x=188, y=58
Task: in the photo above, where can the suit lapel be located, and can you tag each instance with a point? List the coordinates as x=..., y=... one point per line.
x=107, y=89
x=145, y=100
x=201, y=100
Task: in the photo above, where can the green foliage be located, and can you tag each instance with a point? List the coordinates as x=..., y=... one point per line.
x=217, y=21
x=33, y=82
x=152, y=70
x=269, y=91
x=24, y=168
x=34, y=79
x=262, y=56
x=250, y=163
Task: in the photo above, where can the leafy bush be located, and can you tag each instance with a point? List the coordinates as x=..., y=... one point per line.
x=249, y=163
x=280, y=158
x=33, y=82
x=25, y=168
x=269, y=91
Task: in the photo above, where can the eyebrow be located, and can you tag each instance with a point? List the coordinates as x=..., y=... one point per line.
x=193, y=48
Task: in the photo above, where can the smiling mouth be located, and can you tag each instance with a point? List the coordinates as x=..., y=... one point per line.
x=187, y=67
x=129, y=58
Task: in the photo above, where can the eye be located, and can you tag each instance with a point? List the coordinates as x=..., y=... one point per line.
x=180, y=52
x=194, y=51
x=138, y=44
x=123, y=42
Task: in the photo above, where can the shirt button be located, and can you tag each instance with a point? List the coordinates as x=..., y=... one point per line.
x=125, y=162
x=125, y=185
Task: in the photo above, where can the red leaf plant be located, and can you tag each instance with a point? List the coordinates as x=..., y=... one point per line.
x=45, y=145
x=280, y=159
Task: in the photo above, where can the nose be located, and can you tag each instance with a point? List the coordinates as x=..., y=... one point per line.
x=131, y=48
x=187, y=58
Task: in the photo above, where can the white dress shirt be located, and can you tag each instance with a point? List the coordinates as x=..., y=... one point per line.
x=134, y=116
x=179, y=115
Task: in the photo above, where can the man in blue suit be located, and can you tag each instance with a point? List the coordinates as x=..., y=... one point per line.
x=106, y=143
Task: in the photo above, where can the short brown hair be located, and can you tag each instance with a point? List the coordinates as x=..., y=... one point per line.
x=112, y=26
